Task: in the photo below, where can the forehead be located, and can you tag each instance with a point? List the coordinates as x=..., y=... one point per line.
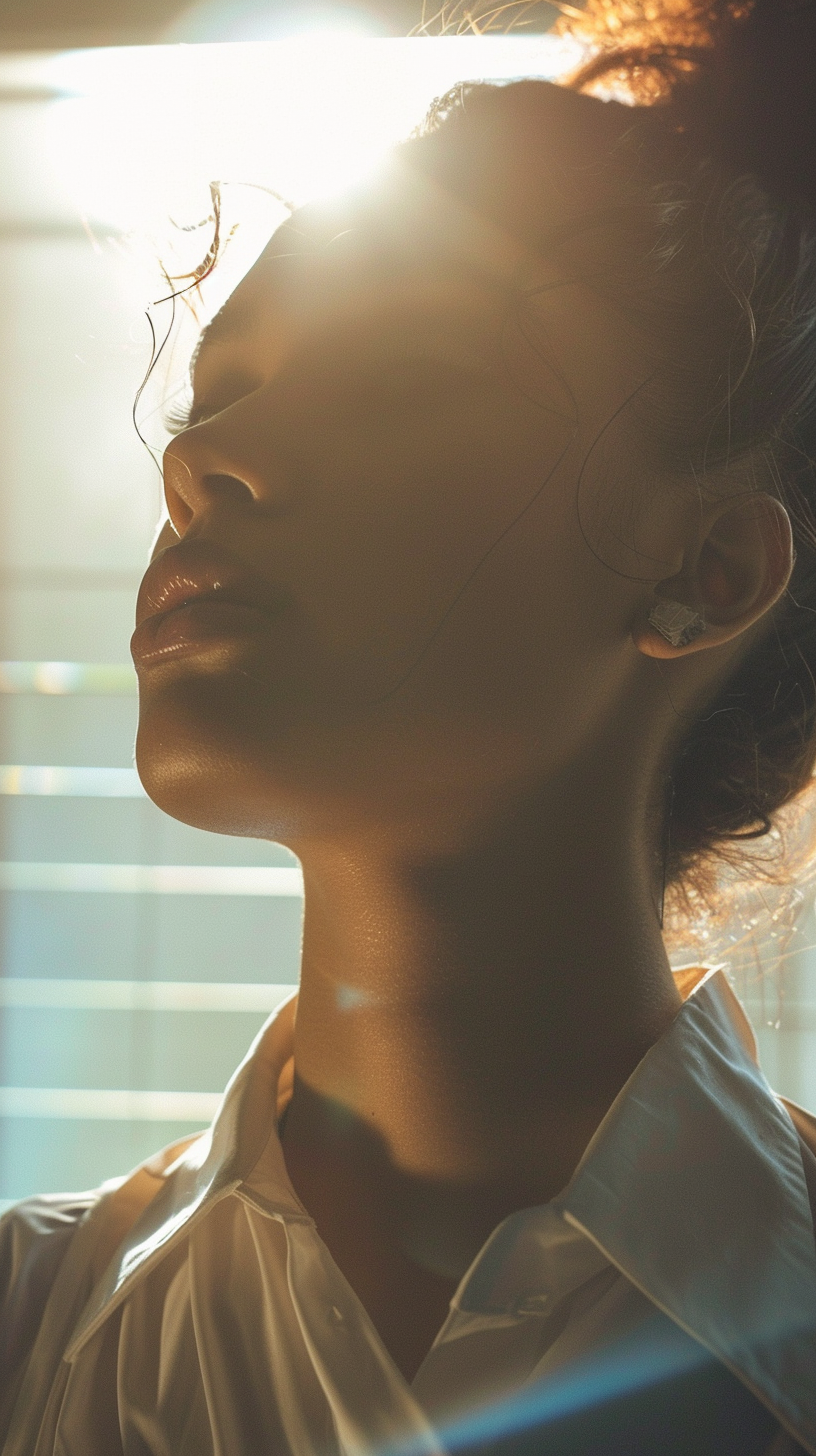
x=472, y=201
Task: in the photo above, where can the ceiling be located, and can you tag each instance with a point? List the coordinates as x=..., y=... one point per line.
x=64, y=24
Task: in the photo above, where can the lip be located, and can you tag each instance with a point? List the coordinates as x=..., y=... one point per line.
x=194, y=595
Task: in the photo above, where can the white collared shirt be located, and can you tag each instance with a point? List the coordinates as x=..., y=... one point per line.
x=193, y=1310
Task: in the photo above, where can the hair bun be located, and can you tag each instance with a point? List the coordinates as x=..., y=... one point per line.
x=760, y=80
x=738, y=74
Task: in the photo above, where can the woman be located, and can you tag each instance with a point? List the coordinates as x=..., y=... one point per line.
x=476, y=591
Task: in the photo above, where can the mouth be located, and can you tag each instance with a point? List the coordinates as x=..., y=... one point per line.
x=197, y=595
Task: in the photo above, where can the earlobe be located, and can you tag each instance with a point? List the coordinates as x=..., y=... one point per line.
x=669, y=628
x=739, y=568
x=677, y=625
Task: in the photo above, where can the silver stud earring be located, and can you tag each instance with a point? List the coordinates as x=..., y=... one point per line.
x=678, y=624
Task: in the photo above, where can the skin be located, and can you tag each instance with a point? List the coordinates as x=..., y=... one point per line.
x=412, y=423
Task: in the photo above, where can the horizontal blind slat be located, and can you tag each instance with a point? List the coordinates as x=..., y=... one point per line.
x=141, y=879
x=56, y=679
x=97, y=1103
x=64, y=781
x=53, y=993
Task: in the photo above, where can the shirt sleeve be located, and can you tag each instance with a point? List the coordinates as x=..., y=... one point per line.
x=64, y=1239
x=34, y=1239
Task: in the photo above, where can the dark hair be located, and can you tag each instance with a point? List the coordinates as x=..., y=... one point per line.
x=731, y=123
x=710, y=246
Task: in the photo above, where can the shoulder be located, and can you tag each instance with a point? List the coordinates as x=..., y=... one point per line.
x=53, y=1249
x=35, y=1237
x=36, y=1233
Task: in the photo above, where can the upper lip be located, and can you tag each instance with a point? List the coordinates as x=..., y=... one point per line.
x=196, y=570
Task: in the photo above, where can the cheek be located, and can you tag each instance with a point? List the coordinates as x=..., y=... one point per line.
x=515, y=674
x=403, y=535
x=529, y=655
x=450, y=627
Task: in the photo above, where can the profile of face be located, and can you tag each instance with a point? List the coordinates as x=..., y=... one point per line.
x=379, y=599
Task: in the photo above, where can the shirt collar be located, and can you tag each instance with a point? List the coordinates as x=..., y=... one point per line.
x=692, y=1186
x=208, y=1168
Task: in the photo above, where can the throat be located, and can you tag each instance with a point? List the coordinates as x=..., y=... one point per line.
x=464, y=1024
x=357, y=1215
x=402, y=1239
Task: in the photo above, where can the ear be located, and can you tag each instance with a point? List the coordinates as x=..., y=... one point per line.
x=739, y=567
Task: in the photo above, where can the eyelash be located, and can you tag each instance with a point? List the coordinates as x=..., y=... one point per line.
x=181, y=416
x=178, y=416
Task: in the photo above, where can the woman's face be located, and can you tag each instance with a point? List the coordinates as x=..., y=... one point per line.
x=383, y=605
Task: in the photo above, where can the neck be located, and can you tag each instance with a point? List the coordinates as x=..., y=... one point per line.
x=466, y=1017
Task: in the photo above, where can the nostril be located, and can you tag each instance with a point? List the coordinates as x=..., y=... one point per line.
x=229, y=487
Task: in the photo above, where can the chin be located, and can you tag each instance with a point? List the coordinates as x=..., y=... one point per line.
x=222, y=752
x=208, y=752
x=230, y=754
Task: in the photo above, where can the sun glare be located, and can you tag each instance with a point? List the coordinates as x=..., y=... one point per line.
x=135, y=137
x=140, y=132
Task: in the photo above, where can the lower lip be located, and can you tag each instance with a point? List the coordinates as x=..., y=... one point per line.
x=193, y=628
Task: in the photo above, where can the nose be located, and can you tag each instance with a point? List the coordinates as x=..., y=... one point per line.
x=220, y=464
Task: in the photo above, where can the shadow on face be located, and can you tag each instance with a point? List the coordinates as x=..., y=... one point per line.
x=377, y=600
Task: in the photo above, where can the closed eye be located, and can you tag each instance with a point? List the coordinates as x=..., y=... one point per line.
x=422, y=377
x=185, y=410
x=178, y=416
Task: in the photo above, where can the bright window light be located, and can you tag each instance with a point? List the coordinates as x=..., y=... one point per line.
x=140, y=132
